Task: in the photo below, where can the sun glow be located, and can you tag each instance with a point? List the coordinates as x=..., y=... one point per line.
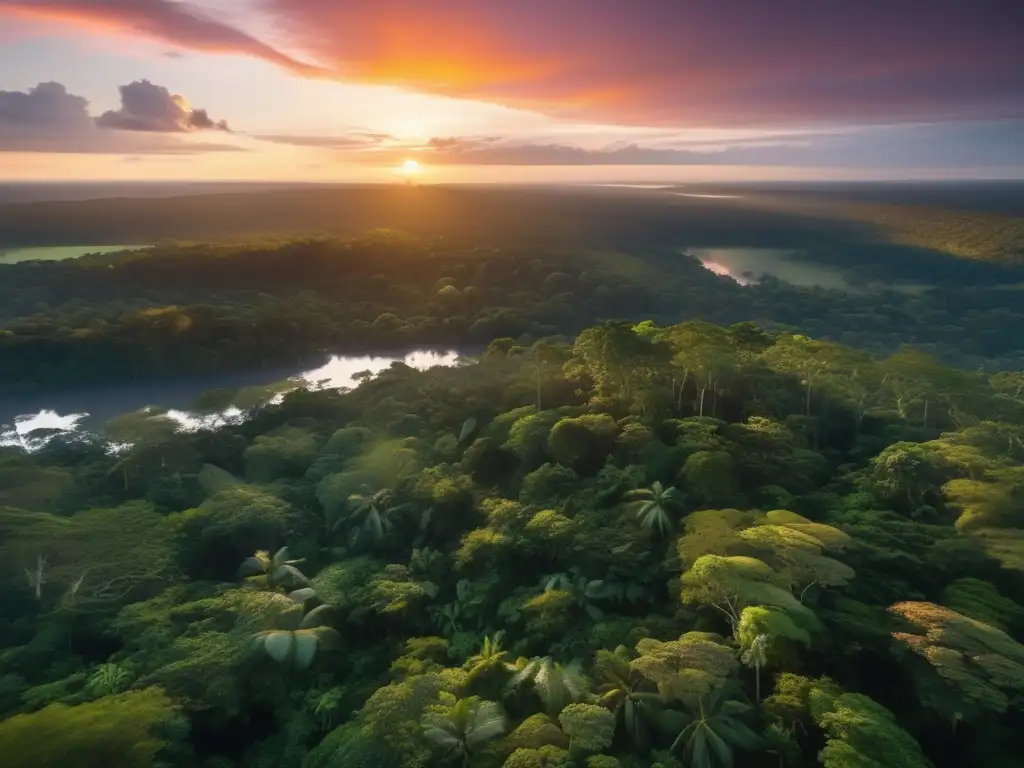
x=409, y=168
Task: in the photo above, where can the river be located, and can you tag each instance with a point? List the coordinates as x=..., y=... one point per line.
x=747, y=265
x=90, y=408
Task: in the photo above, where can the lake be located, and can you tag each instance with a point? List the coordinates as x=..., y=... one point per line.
x=746, y=265
x=58, y=252
x=90, y=408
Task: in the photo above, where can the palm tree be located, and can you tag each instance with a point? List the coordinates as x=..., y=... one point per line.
x=468, y=725
x=756, y=656
x=655, y=506
x=279, y=570
x=714, y=729
x=556, y=685
x=300, y=636
x=375, y=516
x=491, y=658
x=627, y=693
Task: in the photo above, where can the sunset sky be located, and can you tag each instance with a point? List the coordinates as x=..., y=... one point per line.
x=511, y=90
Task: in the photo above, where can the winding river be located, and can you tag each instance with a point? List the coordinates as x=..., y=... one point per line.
x=90, y=408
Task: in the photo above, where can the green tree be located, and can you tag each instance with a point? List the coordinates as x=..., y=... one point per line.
x=464, y=726
x=627, y=693
x=977, y=669
x=656, y=507
x=374, y=517
x=589, y=727
x=730, y=584
x=556, y=685
x=488, y=662
x=860, y=732
x=755, y=654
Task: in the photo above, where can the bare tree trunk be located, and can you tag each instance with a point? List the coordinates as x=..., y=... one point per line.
x=924, y=421
x=703, y=390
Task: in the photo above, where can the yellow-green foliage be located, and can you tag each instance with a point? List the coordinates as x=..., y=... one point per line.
x=120, y=731
x=195, y=650
x=687, y=668
x=387, y=731
x=982, y=665
x=481, y=545
x=536, y=731
x=860, y=731
x=113, y=551
x=395, y=592
x=710, y=532
x=590, y=727
x=544, y=757
x=555, y=528
x=344, y=584
x=981, y=235
x=1003, y=544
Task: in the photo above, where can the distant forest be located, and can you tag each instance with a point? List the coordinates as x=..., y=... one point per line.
x=181, y=308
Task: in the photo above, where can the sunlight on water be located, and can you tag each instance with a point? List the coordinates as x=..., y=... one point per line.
x=721, y=269
x=708, y=196
x=340, y=371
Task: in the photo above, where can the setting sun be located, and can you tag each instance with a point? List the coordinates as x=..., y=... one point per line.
x=410, y=168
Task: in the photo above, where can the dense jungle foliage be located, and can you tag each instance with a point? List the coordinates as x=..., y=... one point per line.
x=212, y=308
x=682, y=545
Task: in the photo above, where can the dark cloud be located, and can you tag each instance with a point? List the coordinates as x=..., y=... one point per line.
x=49, y=119
x=173, y=22
x=148, y=107
x=43, y=107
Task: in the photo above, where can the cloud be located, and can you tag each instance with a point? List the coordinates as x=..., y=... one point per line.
x=646, y=62
x=354, y=141
x=49, y=119
x=178, y=23
x=700, y=61
x=990, y=144
x=148, y=107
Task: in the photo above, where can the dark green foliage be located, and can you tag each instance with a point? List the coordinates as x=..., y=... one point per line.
x=545, y=557
x=229, y=526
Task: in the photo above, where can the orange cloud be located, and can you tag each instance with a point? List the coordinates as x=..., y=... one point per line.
x=643, y=62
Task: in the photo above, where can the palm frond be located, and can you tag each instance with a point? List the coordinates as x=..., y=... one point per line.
x=487, y=722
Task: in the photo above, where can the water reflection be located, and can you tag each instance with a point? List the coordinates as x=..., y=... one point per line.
x=29, y=422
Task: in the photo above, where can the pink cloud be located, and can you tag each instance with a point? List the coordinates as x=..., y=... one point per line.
x=169, y=21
